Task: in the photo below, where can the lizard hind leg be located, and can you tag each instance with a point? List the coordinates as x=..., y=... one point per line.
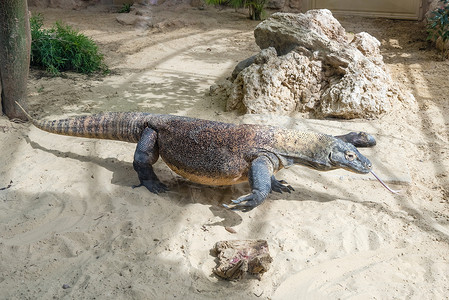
x=147, y=153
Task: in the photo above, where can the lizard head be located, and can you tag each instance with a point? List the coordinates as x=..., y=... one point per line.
x=346, y=156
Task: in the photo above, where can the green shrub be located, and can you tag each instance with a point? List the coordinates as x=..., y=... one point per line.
x=126, y=8
x=438, y=24
x=256, y=8
x=62, y=48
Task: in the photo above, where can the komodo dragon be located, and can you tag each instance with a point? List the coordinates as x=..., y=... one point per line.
x=216, y=153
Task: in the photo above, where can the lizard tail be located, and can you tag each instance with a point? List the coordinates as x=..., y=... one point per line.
x=126, y=127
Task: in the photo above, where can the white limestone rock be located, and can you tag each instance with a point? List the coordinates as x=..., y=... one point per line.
x=308, y=64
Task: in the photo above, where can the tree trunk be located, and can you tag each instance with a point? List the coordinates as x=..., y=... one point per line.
x=15, y=43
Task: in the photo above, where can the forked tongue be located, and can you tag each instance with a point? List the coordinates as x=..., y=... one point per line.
x=383, y=183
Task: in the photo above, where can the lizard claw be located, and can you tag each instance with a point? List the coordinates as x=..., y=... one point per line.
x=154, y=186
x=279, y=186
x=246, y=203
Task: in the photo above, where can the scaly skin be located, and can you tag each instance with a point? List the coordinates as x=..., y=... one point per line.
x=216, y=153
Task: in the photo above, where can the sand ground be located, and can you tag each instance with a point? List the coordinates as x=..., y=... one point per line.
x=70, y=216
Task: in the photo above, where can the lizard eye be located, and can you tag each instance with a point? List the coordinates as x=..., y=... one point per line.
x=349, y=155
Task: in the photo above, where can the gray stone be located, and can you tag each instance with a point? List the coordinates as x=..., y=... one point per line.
x=242, y=65
x=298, y=5
x=139, y=16
x=129, y=19
x=287, y=5
x=275, y=4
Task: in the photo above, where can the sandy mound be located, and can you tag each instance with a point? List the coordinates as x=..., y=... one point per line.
x=70, y=217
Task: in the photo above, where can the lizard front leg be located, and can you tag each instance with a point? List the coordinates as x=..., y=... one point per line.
x=147, y=153
x=262, y=182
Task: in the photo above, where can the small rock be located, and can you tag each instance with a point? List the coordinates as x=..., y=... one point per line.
x=236, y=258
x=132, y=19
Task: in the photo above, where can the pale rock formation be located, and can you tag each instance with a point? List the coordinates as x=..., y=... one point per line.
x=309, y=65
